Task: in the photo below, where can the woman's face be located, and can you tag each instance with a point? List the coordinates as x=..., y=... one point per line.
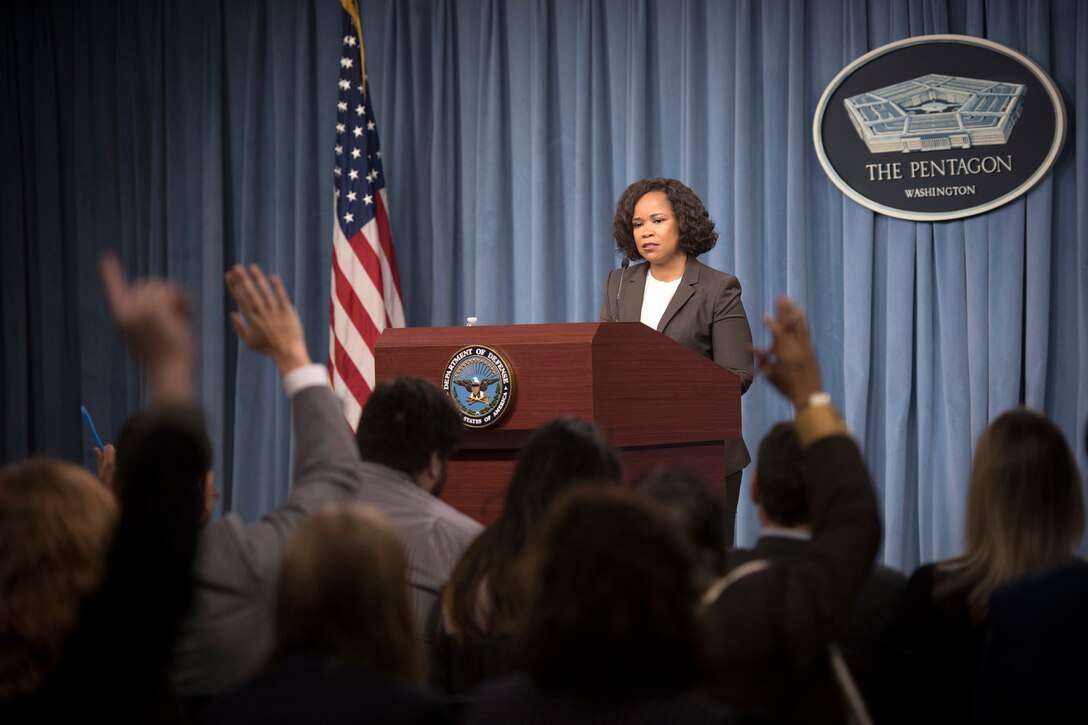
x=656, y=231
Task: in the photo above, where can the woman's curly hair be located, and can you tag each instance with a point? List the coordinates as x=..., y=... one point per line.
x=697, y=233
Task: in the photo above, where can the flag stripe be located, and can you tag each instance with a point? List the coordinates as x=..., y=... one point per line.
x=390, y=273
x=349, y=405
x=357, y=346
x=354, y=274
x=349, y=373
x=355, y=309
x=361, y=246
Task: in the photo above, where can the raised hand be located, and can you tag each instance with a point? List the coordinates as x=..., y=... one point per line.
x=155, y=319
x=268, y=322
x=790, y=362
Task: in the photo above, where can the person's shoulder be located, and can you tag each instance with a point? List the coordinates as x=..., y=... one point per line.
x=518, y=699
x=936, y=590
x=708, y=276
x=514, y=687
x=451, y=524
x=922, y=578
x=886, y=576
x=632, y=271
x=1060, y=582
x=217, y=537
x=326, y=688
x=737, y=556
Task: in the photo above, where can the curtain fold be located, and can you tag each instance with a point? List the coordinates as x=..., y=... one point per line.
x=191, y=136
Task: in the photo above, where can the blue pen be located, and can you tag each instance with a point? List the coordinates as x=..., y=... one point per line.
x=90, y=424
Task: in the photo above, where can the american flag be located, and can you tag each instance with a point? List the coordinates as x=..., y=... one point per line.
x=365, y=292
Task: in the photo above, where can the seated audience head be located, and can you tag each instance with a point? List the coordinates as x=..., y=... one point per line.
x=343, y=590
x=613, y=596
x=143, y=434
x=56, y=525
x=1025, y=509
x=559, y=455
x=686, y=498
x=779, y=487
x=410, y=425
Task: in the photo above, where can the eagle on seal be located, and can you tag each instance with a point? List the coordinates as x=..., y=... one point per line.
x=475, y=388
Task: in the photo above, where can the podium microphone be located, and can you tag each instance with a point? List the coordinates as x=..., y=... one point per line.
x=619, y=290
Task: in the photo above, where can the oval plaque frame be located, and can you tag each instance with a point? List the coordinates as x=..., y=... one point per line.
x=885, y=162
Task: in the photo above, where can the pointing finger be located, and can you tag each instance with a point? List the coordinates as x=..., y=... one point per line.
x=113, y=282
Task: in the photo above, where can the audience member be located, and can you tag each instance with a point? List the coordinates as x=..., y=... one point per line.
x=611, y=634
x=56, y=525
x=1033, y=665
x=485, y=600
x=1024, y=513
x=407, y=432
x=113, y=663
x=770, y=624
x=346, y=648
x=228, y=633
x=682, y=494
x=780, y=492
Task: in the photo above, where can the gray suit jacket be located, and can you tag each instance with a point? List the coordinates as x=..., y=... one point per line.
x=434, y=535
x=228, y=633
x=705, y=315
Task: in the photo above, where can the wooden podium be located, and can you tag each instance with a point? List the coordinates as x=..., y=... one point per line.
x=656, y=401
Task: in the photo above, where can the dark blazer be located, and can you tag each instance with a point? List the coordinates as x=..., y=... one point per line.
x=1033, y=666
x=769, y=631
x=866, y=639
x=705, y=315
x=518, y=699
x=320, y=687
x=937, y=650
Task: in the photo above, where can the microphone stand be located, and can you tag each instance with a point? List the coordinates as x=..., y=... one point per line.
x=619, y=290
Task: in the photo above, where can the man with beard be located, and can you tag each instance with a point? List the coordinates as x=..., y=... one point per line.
x=407, y=432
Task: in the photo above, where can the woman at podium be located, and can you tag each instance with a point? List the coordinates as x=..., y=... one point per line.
x=663, y=222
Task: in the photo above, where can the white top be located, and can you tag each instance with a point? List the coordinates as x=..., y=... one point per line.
x=655, y=298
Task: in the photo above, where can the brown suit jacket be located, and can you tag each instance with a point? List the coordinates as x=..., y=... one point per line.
x=867, y=636
x=705, y=315
x=769, y=632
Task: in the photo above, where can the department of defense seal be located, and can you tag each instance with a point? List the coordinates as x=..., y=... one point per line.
x=481, y=385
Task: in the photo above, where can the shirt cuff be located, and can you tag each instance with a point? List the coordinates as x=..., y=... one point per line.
x=307, y=376
x=816, y=422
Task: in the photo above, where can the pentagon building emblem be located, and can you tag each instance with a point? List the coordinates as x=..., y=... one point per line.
x=939, y=127
x=935, y=112
x=481, y=385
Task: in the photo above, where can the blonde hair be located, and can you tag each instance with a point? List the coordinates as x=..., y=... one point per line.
x=343, y=587
x=1025, y=510
x=56, y=526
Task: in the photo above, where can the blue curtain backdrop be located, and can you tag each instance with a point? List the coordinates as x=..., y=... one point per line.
x=191, y=135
